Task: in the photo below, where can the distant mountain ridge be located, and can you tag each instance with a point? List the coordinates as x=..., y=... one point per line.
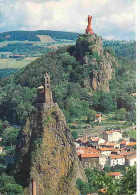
x=32, y=35
x=121, y=47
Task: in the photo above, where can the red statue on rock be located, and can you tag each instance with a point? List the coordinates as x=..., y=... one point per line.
x=89, y=29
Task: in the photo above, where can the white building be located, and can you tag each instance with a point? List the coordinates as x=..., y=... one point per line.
x=112, y=136
x=116, y=160
x=106, y=151
x=115, y=175
x=103, y=160
x=130, y=161
x=101, y=141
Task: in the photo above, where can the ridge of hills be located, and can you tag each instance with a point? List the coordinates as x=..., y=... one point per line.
x=32, y=35
x=122, y=48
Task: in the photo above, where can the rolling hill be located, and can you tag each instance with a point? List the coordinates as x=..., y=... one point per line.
x=34, y=35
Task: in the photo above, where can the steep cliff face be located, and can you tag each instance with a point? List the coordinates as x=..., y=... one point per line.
x=46, y=154
x=90, y=52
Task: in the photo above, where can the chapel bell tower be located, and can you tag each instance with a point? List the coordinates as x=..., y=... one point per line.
x=48, y=93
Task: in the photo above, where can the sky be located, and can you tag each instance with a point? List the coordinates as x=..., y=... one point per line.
x=112, y=19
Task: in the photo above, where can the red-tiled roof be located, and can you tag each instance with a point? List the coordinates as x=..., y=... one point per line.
x=92, y=149
x=103, y=190
x=131, y=157
x=106, y=149
x=90, y=155
x=125, y=153
x=131, y=144
x=123, y=142
x=114, y=174
x=116, y=156
x=88, y=150
x=109, y=132
x=98, y=115
x=113, y=130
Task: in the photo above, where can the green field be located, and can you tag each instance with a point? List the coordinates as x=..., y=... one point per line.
x=58, y=42
x=13, y=63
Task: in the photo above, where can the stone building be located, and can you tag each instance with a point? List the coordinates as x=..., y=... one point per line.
x=44, y=95
x=89, y=160
x=112, y=136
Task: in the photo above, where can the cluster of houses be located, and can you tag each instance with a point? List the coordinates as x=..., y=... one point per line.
x=111, y=150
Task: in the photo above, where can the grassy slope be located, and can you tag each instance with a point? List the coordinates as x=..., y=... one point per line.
x=83, y=128
x=46, y=38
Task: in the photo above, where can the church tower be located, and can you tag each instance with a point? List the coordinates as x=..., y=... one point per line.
x=48, y=93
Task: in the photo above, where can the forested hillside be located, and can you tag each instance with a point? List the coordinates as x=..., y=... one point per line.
x=85, y=79
x=122, y=48
x=32, y=35
x=69, y=78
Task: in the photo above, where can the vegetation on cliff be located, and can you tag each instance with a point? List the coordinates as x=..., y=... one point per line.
x=45, y=153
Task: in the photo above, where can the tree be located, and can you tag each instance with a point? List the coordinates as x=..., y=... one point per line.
x=3, y=56
x=121, y=114
x=8, y=185
x=124, y=100
x=131, y=116
x=129, y=181
x=9, y=136
x=12, y=189
x=74, y=134
x=127, y=185
x=5, y=179
x=107, y=168
x=83, y=187
x=76, y=107
x=104, y=102
x=91, y=116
